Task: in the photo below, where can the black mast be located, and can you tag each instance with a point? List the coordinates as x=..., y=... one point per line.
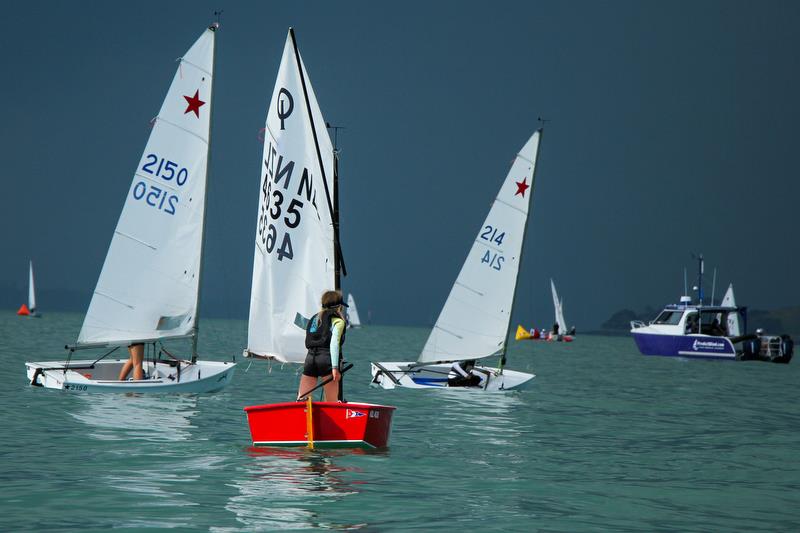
x=333, y=207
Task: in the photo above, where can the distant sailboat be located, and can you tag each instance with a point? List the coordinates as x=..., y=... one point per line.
x=149, y=287
x=30, y=310
x=474, y=322
x=734, y=328
x=353, y=320
x=296, y=258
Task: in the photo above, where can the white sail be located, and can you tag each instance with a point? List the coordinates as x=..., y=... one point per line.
x=558, y=305
x=31, y=291
x=148, y=288
x=475, y=318
x=293, y=263
x=728, y=300
x=352, y=312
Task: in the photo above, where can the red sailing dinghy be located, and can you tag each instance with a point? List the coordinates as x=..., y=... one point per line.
x=296, y=259
x=320, y=424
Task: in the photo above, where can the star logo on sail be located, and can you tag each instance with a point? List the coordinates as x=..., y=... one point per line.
x=193, y=103
x=522, y=186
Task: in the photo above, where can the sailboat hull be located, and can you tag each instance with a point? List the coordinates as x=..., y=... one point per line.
x=332, y=424
x=162, y=377
x=416, y=376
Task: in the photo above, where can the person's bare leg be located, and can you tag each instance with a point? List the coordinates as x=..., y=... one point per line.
x=306, y=384
x=331, y=390
x=137, y=357
x=126, y=368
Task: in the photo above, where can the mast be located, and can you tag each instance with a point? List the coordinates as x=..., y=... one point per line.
x=196, y=328
x=334, y=209
x=337, y=259
x=521, y=252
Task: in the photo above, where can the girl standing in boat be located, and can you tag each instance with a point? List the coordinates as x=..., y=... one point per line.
x=324, y=339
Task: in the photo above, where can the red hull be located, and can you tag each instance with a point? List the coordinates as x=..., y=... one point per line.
x=333, y=424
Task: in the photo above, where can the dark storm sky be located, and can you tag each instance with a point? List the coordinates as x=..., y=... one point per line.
x=673, y=129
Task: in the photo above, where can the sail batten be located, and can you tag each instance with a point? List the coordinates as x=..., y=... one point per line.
x=149, y=284
x=294, y=258
x=474, y=321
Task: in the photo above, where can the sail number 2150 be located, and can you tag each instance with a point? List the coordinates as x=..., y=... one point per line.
x=494, y=236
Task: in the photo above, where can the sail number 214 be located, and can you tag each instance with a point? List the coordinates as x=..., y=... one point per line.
x=495, y=237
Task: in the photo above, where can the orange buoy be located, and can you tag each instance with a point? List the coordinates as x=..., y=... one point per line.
x=23, y=310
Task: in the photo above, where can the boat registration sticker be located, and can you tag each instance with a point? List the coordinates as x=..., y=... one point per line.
x=354, y=414
x=71, y=387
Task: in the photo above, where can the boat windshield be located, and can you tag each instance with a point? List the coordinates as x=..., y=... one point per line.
x=671, y=318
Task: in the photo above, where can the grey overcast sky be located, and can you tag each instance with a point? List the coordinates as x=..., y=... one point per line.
x=672, y=129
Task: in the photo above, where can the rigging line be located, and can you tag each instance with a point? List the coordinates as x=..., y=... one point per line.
x=112, y=350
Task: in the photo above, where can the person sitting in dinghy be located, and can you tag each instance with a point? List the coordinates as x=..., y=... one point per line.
x=325, y=334
x=462, y=374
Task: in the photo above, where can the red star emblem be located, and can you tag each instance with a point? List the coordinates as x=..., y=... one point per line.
x=522, y=186
x=193, y=103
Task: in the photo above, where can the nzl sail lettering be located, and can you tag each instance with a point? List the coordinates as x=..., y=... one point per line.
x=284, y=191
x=158, y=170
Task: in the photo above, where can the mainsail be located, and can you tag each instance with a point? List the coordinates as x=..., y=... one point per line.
x=148, y=288
x=31, y=291
x=475, y=318
x=558, y=305
x=293, y=262
x=352, y=312
x=734, y=329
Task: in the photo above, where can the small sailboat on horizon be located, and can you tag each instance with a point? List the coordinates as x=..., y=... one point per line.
x=30, y=310
x=475, y=320
x=149, y=287
x=353, y=320
x=559, y=331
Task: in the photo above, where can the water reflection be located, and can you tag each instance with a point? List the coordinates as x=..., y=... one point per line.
x=279, y=488
x=488, y=417
x=153, y=418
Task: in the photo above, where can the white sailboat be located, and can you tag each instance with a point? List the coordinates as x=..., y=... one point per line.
x=295, y=257
x=474, y=322
x=734, y=329
x=32, y=293
x=558, y=305
x=149, y=287
x=353, y=321
x=30, y=309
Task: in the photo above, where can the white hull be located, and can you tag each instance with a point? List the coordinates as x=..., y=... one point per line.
x=161, y=377
x=413, y=375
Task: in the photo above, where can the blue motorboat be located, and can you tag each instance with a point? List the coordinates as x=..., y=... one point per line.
x=695, y=330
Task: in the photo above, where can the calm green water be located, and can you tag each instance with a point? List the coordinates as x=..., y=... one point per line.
x=604, y=440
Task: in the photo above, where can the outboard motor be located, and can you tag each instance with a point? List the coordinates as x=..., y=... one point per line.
x=787, y=349
x=751, y=348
